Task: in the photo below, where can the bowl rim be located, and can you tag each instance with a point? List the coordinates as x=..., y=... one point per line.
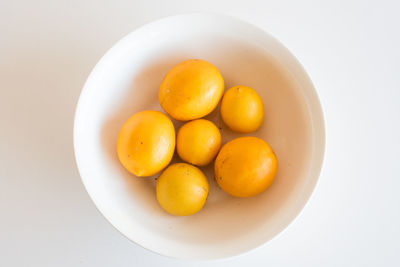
x=318, y=106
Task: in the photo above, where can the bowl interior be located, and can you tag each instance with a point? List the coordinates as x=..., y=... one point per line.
x=127, y=80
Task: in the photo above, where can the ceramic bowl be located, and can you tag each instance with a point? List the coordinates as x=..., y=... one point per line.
x=126, y=80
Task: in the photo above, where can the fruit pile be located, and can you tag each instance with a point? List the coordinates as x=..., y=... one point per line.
x=243, y=167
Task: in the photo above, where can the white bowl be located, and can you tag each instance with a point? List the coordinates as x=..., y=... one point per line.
x=127, y=79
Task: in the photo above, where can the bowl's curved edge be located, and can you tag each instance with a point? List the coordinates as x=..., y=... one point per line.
x=317, y=106
x=76, y=121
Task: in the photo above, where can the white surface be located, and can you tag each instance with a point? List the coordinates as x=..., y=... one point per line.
x=350, y=50
x=126, y=81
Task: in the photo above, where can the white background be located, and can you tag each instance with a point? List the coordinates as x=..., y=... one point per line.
x=351, y=50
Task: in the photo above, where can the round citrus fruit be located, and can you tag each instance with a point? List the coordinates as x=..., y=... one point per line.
x=198, y=142
x=182, y=189
x=242, y=109
x=146, y=143
x=245, y=166
x=191, y=90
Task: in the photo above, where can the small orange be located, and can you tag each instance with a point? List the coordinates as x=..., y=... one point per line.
x=198, y=142
x=242, y=109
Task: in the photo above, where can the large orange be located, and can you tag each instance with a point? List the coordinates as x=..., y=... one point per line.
x=191, y=90
x=146, y=143
x=182, y=189
x=245, y=166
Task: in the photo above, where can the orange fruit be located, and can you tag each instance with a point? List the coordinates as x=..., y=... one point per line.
x=242, y=109
x=245, y=166
x=146, y=143
x=182, y=189
x=191, y=90
x=198, y=142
